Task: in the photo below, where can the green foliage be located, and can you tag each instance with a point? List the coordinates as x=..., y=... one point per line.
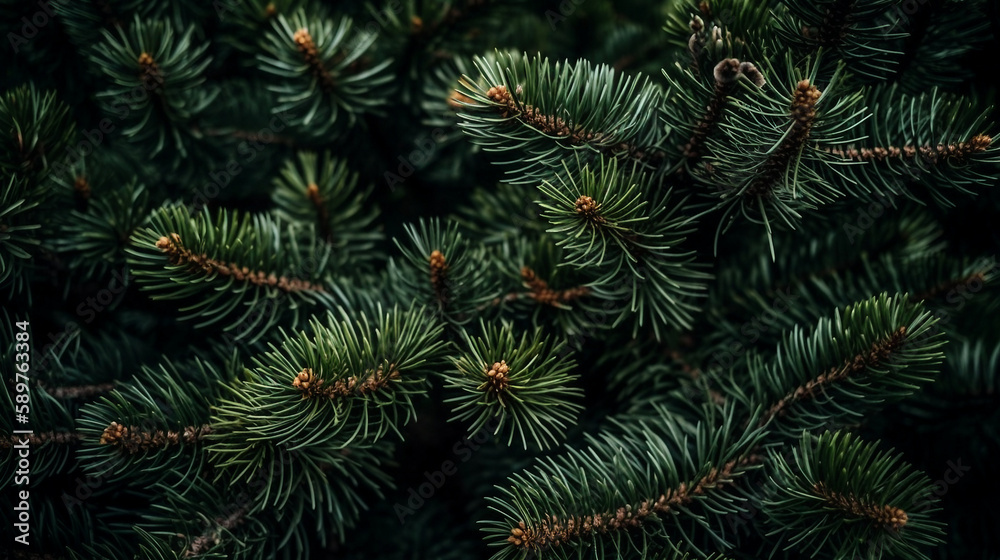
x=937, y=58
x=214, y=258
x=844, y=495
x=37, y=134
x=156, y=81
x=324, y=192
x=947, y=125
x=37, y=127
x=627, y=242
x=336, y=390
x=332, y=82
x=561, y=353
x=872, y=352
x=246, y=20
x=16, y=237
x=161, y=417
x=96, y=238
x=523, y=385
x=855, y=32
x=443, y=271
x=557, y=110
x=761, y=164
x=641, y=485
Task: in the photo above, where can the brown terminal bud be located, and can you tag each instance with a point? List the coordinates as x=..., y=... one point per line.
x=694, y=44
x=497, y=376
x=727, y=71
x=697, y=24
x=751, y=72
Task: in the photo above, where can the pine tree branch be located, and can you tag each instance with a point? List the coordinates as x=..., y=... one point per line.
x=174, y=248
x=41, y=438
x=444, y=271
x=880, y=352
x=628, y=487
x=935, y=155
x=543, y=294
x=873, y=352
x=553, y=531
x=354, y=386
x=803, y=114
x=552, y=111
x=522, y=385
x=885, y=516
x=841, y=493
x=508, y=107
x=135, y=440
x=79, y=391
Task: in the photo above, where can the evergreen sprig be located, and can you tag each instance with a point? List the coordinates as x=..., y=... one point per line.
x=321, y=190
x=154, y=428
x=156, y=81
x=37, y=131
x=643, y=484
x=544, y=292
x=872, y=352
x=934, y=139
x=443, y=271
x=763, y=163
x=325, y=393
x=596, y=216
x=627, y=242
x=235, y=269
x=523, y=385
x=553, y=111
x=842, y=495
x=323, y=79
x=709, y=32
